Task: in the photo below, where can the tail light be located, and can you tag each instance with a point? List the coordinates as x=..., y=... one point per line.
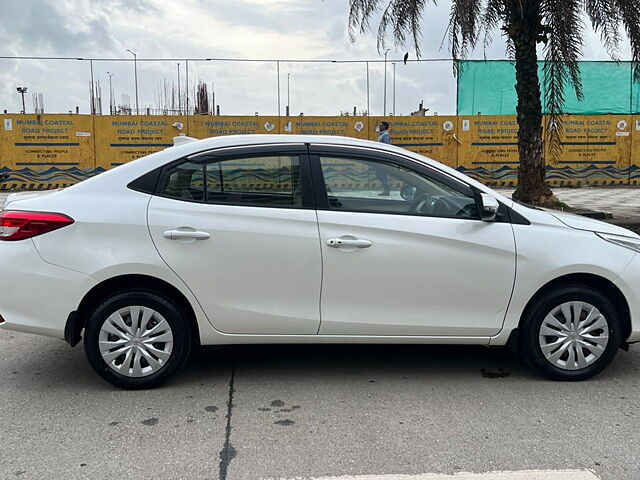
x=15, y=225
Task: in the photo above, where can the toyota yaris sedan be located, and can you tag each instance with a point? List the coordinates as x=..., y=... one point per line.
x=307, y=239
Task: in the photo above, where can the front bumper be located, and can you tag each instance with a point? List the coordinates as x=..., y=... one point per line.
x=36, y=296
x=629, y=284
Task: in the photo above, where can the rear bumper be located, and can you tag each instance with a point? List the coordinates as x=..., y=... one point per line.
x=36, y=296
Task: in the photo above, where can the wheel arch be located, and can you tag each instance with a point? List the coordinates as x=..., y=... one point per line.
x=122, y=283
x=602, y=284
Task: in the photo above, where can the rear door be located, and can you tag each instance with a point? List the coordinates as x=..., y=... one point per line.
x=239, y=227
x=404, y=251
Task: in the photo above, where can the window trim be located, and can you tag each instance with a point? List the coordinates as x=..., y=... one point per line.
x=205, y=157
x=320, y=188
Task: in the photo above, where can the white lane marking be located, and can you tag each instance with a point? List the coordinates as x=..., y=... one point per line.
x=504, y=475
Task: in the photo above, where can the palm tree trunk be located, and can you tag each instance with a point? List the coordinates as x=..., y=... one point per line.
x=524, y=30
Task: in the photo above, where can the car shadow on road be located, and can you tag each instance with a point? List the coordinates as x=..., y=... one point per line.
x=57, y=366
x=453, y=361
x=336, y=360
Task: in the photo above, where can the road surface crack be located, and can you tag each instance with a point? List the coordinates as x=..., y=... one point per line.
x=228, y=453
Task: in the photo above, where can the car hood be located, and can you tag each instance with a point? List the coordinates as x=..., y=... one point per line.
x=589, y=224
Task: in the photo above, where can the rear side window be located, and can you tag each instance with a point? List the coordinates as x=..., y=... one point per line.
x=184, y=182
x=257, y=180
x=269, y=181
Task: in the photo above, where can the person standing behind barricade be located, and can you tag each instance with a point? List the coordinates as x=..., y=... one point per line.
x=385, y=136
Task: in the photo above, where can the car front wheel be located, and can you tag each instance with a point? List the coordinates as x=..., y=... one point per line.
x=137, y=339
x=571, y=333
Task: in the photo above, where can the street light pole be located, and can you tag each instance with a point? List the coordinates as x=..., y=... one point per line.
x=368, y=111
x=394, y=87
x=93, y=92
x=385, y=82
x=22, y=91
x=110, y=94
x=186, y=70
x=278, y=73
x=288, y=96
x=179, y=101
x=135, y=72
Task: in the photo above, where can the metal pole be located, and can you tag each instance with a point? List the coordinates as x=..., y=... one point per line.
x=278, y=73
x=186, y=63
x=457, y=94
x=394, y=87
x=179, y=104
x=473, y=96
x=385, y=82
x=135, y=72
x=110, y=94
x=631, y=89
x=93, y=96
x=288, y=97
x=368, y=111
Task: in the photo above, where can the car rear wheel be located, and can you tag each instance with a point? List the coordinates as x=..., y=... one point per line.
x=137, y=339
x=571, y=333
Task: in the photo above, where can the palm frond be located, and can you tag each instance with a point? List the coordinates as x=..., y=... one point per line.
x=493, y=17
x=406, y=20
x=630, y=17
x=360, y=13
x=605, y=20
x=462, y=33
x=402, y=18
x=464, y=26
x=563, y=48
x=510, y=48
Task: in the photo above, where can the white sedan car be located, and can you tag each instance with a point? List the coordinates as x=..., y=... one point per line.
x=306, y=239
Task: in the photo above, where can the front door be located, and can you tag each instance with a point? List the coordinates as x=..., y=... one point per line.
x=241, y=232
x=404, y=252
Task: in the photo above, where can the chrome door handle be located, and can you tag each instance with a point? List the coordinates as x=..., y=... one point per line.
x=349, y=242
x=178, y=234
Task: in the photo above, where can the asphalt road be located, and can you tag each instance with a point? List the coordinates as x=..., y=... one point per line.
x=296, y=412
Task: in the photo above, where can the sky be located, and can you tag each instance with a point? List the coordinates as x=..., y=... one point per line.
x=243, y=29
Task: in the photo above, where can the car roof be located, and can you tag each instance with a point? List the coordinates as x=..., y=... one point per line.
x=261, y=139
x=124, y=174
x=138, y=167
x=211, y=143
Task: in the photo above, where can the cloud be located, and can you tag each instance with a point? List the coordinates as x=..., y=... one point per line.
x=266, y=29
x=40, y=26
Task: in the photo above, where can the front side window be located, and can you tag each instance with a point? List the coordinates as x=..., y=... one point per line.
x=362, y=185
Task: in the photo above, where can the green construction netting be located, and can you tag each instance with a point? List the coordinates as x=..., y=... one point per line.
x=487, y=87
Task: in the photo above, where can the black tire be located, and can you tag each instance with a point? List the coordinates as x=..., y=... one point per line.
x=529, y=338
x=174, y=316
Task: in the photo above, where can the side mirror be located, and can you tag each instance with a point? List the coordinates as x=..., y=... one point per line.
x=408, y=192
x=488, y=207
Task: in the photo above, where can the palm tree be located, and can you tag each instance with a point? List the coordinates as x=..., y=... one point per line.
x=556, y=24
